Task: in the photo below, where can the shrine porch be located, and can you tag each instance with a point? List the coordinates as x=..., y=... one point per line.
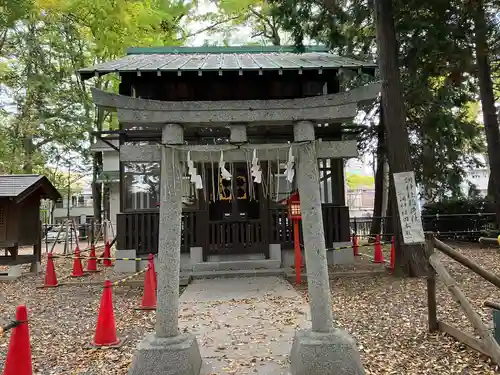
x=264, y=243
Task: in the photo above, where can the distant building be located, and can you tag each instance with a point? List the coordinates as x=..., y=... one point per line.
x=478, y=177
x=360, y=201
x=79, y=204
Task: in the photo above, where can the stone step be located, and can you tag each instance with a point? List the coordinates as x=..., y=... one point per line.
x=236, y=273
x=256, y=264
x=235, y=257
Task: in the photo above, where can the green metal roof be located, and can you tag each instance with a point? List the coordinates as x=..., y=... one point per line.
x=204, y=59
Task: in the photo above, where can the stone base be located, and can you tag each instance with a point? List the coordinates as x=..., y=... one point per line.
x=126, y=266
x=15, y=271
x=172, y=356
x=341, y=256
x=36, y=268
x=325, y=354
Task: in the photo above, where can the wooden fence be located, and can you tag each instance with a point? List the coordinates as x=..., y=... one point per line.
x=487, y=343
x=139, y=230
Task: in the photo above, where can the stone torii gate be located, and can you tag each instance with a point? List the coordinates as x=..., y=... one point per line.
x=324, y=349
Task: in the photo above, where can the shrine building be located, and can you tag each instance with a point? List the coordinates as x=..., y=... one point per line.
x=238, y=104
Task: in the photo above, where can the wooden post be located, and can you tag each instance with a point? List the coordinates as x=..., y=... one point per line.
x=489, y=343
x=463, y=260
x=431, y=286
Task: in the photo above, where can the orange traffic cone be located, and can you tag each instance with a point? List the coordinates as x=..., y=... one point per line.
x=77, y=264
x=92, y=260
x=107, y=255
x=105, y=334
x=378, y=256
x=355, y=246
x=149, y=293
x=18, y=361
x=50, y=273
x=392, y=263
x=153, y=271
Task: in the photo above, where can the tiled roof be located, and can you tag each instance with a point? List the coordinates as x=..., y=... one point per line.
x=15, y=185
x=222, y=59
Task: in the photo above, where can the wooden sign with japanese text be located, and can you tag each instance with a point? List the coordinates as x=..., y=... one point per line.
x=409, y=211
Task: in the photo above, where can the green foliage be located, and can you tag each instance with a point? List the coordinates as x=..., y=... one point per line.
x=61, y=179
x=436, y=60
x=358, y=181
x=114, y=25
x=467, y=218
x=463, y=205
x=12, y=11
x=42, y=45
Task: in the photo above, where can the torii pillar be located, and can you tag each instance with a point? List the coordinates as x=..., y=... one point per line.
x=324, y=349
x=167, y=351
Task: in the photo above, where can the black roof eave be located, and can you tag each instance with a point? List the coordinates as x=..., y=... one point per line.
x=86, y=74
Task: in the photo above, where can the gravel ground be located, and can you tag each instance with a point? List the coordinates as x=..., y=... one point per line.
x=387, y=316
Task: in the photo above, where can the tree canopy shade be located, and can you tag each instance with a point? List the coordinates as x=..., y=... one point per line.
x=434, y=58
x=42, y=44
x=436, y=64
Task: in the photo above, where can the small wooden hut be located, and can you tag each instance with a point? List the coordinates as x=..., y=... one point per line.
x=20, y=225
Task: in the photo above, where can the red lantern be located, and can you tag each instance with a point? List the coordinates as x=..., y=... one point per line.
x=294, y=206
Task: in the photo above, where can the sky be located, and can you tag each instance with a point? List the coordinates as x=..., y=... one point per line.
x=240, y=34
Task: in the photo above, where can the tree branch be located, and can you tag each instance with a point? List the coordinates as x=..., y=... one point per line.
x=3, y=38
x=208, y=28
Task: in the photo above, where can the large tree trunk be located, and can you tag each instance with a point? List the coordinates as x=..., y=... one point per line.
x=488, y=103
x=410, y=259
x=29, y=149
x=378, y=202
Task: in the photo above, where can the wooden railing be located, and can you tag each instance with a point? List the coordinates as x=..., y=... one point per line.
x=139, y=230
x=487, y=344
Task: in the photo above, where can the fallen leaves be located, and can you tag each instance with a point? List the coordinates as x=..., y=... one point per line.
x=388, y=318
x=386, y=315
